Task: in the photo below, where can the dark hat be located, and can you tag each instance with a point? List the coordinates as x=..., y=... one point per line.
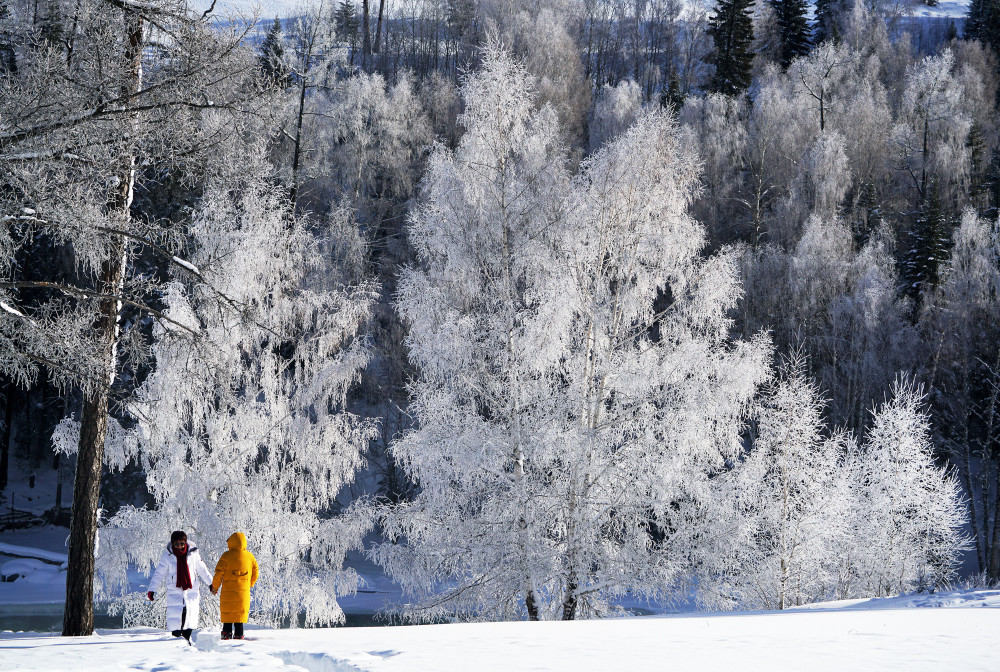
x=179, y=535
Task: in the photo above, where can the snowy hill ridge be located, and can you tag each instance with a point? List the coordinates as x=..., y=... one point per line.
x=902, y=633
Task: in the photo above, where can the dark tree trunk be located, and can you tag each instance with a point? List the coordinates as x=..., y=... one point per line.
x=5, y=438
x=570, y=601
x=378, y=26
x=366, y=38
x=529, y=602
x=78, y=616
x=293, y=193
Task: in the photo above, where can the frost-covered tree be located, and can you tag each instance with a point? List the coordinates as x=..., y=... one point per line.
x=785, y=502
x=807, y=515
x=961, y=328
x=242, y=426
x=908, y=510
x=576, y=378
x=932, y=127
x=84, y=124
x=484, y=235
x=615, y=109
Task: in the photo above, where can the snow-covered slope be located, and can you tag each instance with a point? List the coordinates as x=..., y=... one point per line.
x=892, y=634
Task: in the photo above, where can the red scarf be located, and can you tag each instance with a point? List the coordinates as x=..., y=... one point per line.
x=183, y=575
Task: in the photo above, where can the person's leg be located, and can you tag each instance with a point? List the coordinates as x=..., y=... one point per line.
x=238, y=634
x=227, y=630
x=180, y=633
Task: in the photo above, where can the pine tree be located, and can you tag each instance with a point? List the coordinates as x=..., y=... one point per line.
x=793, y=29
x=8, y=58
x=979, y=169
x=929, y=244
x=732, y=30
x=272, y=54
x=992, y=187
x=983, y=23
x=345, y=21
x=51, y=25
x=825, y=27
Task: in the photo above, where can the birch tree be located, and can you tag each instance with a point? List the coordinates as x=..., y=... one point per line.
x=575, y=374
x=243, y=424
x=73, y=123
x=785, y=502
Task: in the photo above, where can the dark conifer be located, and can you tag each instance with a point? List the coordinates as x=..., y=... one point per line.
x=272, y=56
x=825, y=27
x=345, y=21
x=793, y=29
x=50, y=26
x=732, y=30
x=983, y=23
x=8, y=57
x=929, y=243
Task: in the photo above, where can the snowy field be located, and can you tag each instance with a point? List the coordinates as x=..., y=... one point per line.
x=947, y=631
x=892, y=634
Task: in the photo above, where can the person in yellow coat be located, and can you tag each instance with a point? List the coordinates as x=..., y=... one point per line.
x=235, y=573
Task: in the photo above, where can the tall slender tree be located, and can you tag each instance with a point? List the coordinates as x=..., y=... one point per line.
x=793, y=29
x=68, y=163
x=731, y=28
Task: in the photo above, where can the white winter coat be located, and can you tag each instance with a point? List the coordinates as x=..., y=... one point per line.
x=177, y=599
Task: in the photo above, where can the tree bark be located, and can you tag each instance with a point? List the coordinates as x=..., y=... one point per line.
x=378, y=26
x=78, y=616
x=293, y=193
x=5, y=438
x=366, y=38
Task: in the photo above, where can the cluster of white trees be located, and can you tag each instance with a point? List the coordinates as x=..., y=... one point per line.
x=581, y=406
x=807, y=514
x=536, y=313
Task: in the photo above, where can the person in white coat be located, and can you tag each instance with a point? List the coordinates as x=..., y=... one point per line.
x=179, y=569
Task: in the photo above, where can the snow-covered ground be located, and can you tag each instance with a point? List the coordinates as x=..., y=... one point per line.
x=946, y=631
x=33, y=583
x=890, y=634
x=951, y=9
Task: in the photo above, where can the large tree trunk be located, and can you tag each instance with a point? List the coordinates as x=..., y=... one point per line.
x=378, y=26
x=78, y=617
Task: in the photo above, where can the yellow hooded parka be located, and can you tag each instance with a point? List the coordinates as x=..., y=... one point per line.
x=235, y=573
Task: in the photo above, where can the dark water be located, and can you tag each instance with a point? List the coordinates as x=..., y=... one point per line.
x=48, y=618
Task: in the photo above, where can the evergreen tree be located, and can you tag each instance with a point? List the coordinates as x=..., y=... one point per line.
x=8, y=59
x=979, y=184
x=929, y=244
x=825, y=27
x=50, y=25
x=732, y=30
x=272, y=55
x=983, y=23
x=793, y=29
x=992, y=187
x=345, y=21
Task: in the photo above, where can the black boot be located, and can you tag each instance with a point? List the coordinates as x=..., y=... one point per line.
x=176, y=633
x=187, y=634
